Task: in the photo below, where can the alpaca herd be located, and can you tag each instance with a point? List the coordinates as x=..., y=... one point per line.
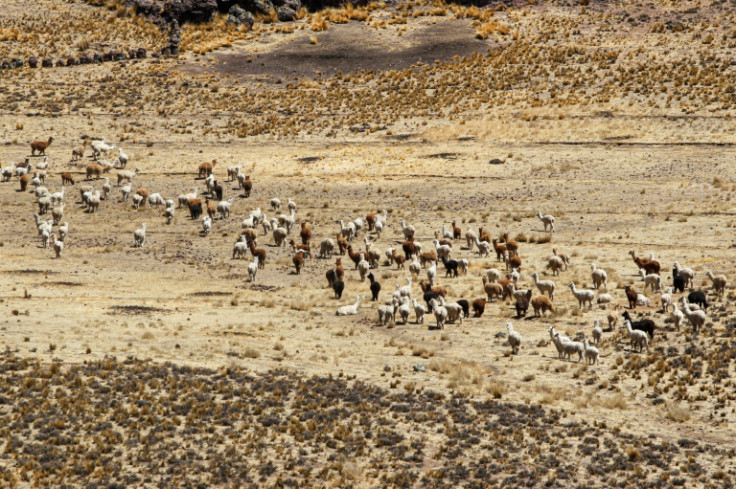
x=358, y=237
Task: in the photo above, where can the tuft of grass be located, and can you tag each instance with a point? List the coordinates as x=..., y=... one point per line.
x=676, y=412
x=251, y=353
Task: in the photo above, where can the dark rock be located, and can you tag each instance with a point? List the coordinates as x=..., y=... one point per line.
x=71, y=61
x=33, y=62
x=96, y=58
x=239, y=16
x=47, y=63
x=166, y=11
x=17, y=62
x=294, y=5
x=60, y=63
x=141, y=53
x=262, y=7
x=496, y=161
x=285, y=14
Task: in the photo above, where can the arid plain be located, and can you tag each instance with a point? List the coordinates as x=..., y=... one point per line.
x=164, y=366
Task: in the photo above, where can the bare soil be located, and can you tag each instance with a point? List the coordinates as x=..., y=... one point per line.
x=164, y=366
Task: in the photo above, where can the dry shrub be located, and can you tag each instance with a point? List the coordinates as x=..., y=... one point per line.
x=251, y=353
x=676, y=412
x=486, y=29
x=319, y=23
x=420, y=351
x=615, y=401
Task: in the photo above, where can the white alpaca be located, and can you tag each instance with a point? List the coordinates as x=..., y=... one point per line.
x=636, y=337
x=696, y=318
x=206, y=225
x=63, y=230
x=125, y=191
x=591, y=353
x=548, y=221
x=363, y=267
x=432, y=273
x=348, y=231
x=720, y=282
x=156, y=200
x=408, y=230
x=443, y=251
x=184, y=198
x=349, y=310
x=687, y=274
x=597, y=332
x=419, y=311
x=653, y=280
x=224, y=206
x=484, y=247
x=58, y=247
x=440, y=313
x=557, y=341
x=556, y=264
x=253, y=269
x=139, y=236
x=406, y=289
x=600, y=277
x=405, y=310
x=169, y=213
x=275, y=204
x=386, y=313
x=106, y=188
x=582, y=295
x=514, y=338
x=677, y=316
x=666, y=300
x=544, y=286
x=326, y=248
x=604, y=299
x=415, y=267
x=494, y=275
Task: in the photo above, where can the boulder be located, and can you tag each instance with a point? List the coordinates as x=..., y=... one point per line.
x=285, y=14
x=256, y=7
x=239, y=16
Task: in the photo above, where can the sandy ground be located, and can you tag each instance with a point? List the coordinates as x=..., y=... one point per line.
x=615, y=181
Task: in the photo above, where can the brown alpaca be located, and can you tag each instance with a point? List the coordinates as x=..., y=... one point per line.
x=205, y=169
x=339, y=270
x=500, y=250
x=479, y=307
x=511, y=245
x=40, y=146
x=483, y=236
x=541, y=303
x=305, y=234
x=94, y=170
x=24, y=182
x=342, y=243
x=259, y=252
x=211, y=208
x=631, y=296
x=66, y=178
x=298, y=261
x=296, y=247
x=456, y=232
x=247, y=185
x=370, y=221
x=650, y=266
x=78, y=152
